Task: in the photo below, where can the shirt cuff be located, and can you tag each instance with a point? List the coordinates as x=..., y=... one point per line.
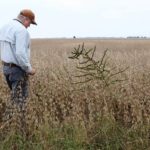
x=29, y=69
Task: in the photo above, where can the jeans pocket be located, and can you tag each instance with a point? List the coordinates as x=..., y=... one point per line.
x=6, y=70
x=16, y=74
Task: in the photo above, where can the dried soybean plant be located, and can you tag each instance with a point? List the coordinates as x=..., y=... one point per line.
x=90, y=69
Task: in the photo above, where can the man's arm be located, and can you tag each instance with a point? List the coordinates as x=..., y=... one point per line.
x=23, y=51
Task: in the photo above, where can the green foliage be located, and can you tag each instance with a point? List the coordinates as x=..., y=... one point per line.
x=91, y=69
x=17, y=141
x=105, y=134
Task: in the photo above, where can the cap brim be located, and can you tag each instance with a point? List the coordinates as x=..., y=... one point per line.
x=33, y=22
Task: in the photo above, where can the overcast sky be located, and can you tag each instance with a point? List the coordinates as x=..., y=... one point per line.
x=82, y=18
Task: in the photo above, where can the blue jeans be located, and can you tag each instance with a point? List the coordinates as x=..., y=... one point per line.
x=17, y=80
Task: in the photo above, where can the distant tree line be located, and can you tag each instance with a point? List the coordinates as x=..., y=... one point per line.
x=136, y=37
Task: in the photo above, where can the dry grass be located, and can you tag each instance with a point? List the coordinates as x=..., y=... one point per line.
x=54, y=101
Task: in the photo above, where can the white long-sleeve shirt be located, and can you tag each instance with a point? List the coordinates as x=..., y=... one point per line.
x=15, y=45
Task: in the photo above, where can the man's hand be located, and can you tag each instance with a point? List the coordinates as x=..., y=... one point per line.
x=32, y=72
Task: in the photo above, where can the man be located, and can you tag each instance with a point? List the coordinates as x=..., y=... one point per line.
x=15, y=55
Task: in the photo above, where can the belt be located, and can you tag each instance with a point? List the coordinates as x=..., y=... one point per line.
x=9, y=64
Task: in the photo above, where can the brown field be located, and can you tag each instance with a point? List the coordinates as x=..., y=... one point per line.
x=55, y=101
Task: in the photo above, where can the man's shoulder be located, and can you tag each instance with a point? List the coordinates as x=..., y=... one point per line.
x=18, y=28
x=12, y=29
x=14, y=25
x=18, y=25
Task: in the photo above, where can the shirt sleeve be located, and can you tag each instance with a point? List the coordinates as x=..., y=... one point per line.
x=23, y=50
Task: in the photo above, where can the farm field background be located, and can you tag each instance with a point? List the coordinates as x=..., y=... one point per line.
x=64, y=115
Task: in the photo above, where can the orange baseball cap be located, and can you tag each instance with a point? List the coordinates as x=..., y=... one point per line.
x=28, y=13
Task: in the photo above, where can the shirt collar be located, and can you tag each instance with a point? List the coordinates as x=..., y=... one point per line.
x=18, y=21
